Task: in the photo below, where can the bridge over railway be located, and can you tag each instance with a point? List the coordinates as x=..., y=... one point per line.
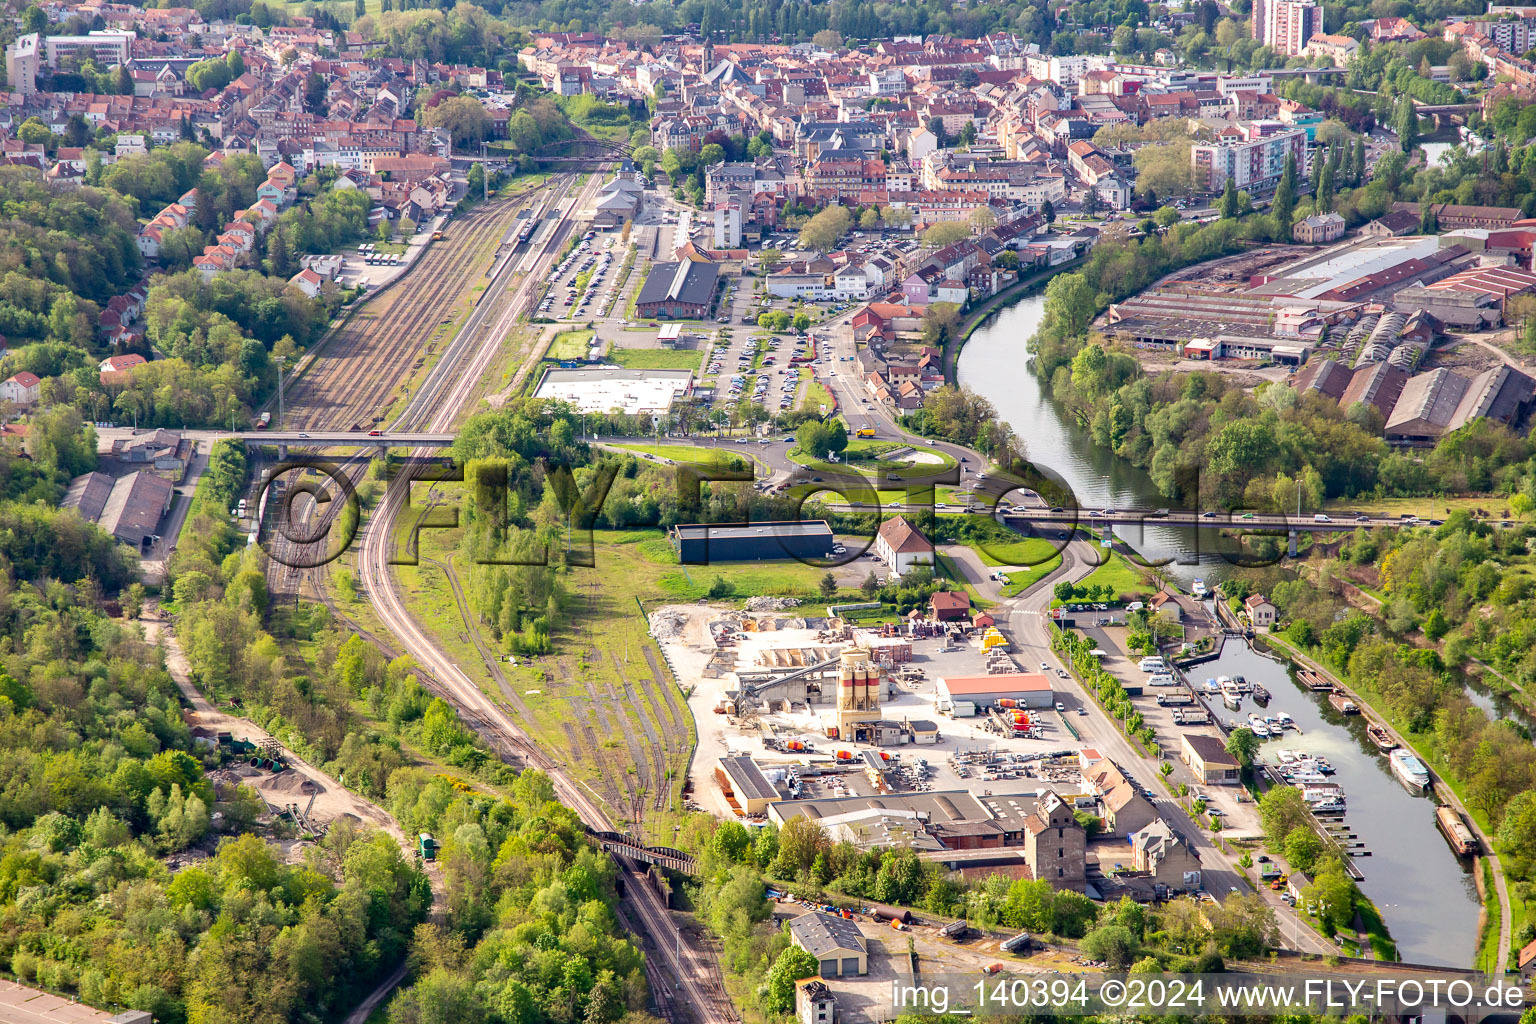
x=583, y=150
x=636, y=850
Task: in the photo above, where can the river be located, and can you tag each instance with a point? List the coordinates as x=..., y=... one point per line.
x=995, y=365
x=1432, y=923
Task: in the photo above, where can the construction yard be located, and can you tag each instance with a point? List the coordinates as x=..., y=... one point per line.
x=968, y=753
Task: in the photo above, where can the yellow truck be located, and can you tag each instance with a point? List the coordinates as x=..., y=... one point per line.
x=864, y=432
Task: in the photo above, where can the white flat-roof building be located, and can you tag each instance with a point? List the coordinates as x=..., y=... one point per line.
x=606, y=388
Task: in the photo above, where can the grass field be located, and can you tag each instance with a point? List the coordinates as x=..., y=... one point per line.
x=657, y=358
x=1124, y=577
x=814, y=394
x=570, y=345
x=687, y=453
x=624, y=732
x=1497, y=506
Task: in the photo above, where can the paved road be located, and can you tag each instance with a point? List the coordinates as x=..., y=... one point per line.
x=1027, y=618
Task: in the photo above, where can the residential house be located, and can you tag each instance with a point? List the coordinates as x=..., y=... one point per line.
x=901, y=546
x=21, y=388
x=1319, y=229
x=1168, y=856
x=1260, y=611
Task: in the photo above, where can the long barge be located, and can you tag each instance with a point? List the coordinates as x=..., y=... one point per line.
x=1456, y=831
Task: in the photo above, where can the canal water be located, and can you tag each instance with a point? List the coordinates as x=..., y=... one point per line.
x=1426, y=894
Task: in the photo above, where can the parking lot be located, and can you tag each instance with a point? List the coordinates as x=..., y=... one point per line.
x=564, y=300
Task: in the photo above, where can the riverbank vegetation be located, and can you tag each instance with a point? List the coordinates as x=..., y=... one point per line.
x=1331, y=900
x=1443, y=604
x=1201, y=436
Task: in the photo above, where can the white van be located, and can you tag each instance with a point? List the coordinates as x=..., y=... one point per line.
x=1320, y=518
x=1162, y=679
x=1154, y=664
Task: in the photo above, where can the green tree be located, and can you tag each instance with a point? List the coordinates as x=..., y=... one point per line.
x=870, y=587
x=827, y=585
x=1303, y=848
x=1405, y=121
x=792, y=965
x=1229, y=200
x=1113, y=944
x=1243, y=745
x=1283, y=209
x=822, y=231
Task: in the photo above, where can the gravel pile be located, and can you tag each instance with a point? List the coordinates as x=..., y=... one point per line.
x=770, y=604
x=668, y=624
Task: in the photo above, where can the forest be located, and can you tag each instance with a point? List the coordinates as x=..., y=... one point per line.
x=101, y=781
x=1456, y=603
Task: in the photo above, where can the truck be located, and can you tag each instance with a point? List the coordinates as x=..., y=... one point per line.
x=963, y=709
x=1174, y=700
x=864, y=432
x=263, y=421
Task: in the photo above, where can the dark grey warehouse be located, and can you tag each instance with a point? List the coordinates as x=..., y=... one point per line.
x=703, y=543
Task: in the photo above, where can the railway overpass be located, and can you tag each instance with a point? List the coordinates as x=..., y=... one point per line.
x=344, y=438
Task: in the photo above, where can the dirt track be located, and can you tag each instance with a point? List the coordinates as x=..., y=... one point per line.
x=332, y=800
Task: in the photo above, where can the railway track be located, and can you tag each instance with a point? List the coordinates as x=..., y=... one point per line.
x=699, y=990
x=360, y=367
x=692, y=987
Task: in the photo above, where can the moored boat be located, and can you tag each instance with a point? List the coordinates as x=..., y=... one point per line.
x=1456, y=832
x=1342, y=704
x=1260, y=694
x=1380, y=737
x=1199, y=589
x=1285, y=720
x=1256, y=724
x=1312, y=680
x=1409, y=770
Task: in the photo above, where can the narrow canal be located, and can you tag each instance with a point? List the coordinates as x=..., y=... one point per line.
x=1426, y=894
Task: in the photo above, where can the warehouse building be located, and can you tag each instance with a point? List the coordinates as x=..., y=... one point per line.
x=678, y=290
x=1029, y=689
x=835, y=942
x=128, y=507
x=602, y=389
x=746, y=788
x=706, y=543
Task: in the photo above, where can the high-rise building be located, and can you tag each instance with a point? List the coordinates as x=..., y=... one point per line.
x=22, y=63
x=1286, y=25
x=1254, y=162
